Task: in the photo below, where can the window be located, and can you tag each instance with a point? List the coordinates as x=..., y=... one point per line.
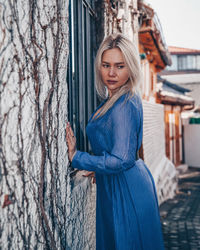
x=198, y=62
x=188, y=62
x=174, y=65
x=82, y=98
x=182, y=62
x=191, y=62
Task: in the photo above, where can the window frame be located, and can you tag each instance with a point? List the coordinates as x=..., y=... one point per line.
x=82, y=98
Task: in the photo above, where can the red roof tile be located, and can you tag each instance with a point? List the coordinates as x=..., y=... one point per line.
x=178, y=50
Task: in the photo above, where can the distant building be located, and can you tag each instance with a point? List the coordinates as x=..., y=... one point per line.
x=152, y=45
x=154, y=58
x=175, y=100
x=185, y=70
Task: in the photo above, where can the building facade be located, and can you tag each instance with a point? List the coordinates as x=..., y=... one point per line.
x=185, y=70
x=175, y=100
x=154, y=58
x=47, y=56
x=184, y=76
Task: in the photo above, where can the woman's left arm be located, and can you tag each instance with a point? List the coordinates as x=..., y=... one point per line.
x=126, y=121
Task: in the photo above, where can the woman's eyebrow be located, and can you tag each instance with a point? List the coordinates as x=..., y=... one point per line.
x=115, y=63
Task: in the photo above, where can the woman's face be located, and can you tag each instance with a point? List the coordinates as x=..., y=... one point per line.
x=114, y=72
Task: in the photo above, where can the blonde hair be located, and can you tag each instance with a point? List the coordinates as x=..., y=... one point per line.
x=132, y=62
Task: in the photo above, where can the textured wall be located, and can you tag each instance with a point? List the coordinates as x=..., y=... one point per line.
x=154, y=134
x=82, y=214
x=162, y=169
x=41, y=207
x=122, y=16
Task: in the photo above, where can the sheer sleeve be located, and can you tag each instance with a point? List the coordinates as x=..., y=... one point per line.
x=125, y=125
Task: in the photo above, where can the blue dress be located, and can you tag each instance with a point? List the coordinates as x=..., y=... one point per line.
x=127, y=213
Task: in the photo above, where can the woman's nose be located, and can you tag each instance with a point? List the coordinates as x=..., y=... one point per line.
x=112, y=71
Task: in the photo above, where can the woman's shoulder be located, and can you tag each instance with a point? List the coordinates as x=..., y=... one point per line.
x=136, y=100
x=126, y=101
x=127, y=109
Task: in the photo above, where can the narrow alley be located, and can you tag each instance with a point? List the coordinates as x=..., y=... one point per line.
x=180, y=216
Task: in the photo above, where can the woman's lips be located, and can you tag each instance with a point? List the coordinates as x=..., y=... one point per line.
x=111, y=82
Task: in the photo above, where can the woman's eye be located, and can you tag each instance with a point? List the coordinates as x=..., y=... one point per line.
x=105, y=65
x=120, y=66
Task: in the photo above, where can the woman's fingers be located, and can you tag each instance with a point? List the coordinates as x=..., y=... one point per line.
x=69, y=133
x=89, y=174
x=71, y=141
x=69, y=130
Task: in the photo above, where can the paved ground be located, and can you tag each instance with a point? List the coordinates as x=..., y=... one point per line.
x=181, y=216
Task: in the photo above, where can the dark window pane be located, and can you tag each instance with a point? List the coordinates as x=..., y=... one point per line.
x=82, y=96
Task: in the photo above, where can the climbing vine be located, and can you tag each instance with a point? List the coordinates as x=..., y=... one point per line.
x=33, y=64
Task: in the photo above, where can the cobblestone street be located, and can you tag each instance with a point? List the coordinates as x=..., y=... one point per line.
x=181, y=216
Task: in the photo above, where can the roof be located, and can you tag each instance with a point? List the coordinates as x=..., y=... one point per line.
x=178, y=50
x=173, y=85
x=170, y=93
x=168, y=97
x=151, y=38
x=183, y=78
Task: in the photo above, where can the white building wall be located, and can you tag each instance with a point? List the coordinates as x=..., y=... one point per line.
x=192, y=145
x=162, y=169
x=146, y=78
x=195, y=91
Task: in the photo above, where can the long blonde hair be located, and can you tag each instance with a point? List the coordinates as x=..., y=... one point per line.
x=131, y=59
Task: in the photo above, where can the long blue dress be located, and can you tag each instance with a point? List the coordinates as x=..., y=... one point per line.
x=127, y=213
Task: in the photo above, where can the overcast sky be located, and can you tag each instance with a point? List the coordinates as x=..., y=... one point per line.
x=180, y=20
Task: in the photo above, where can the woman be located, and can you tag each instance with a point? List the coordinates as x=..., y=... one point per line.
x=127, y=215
